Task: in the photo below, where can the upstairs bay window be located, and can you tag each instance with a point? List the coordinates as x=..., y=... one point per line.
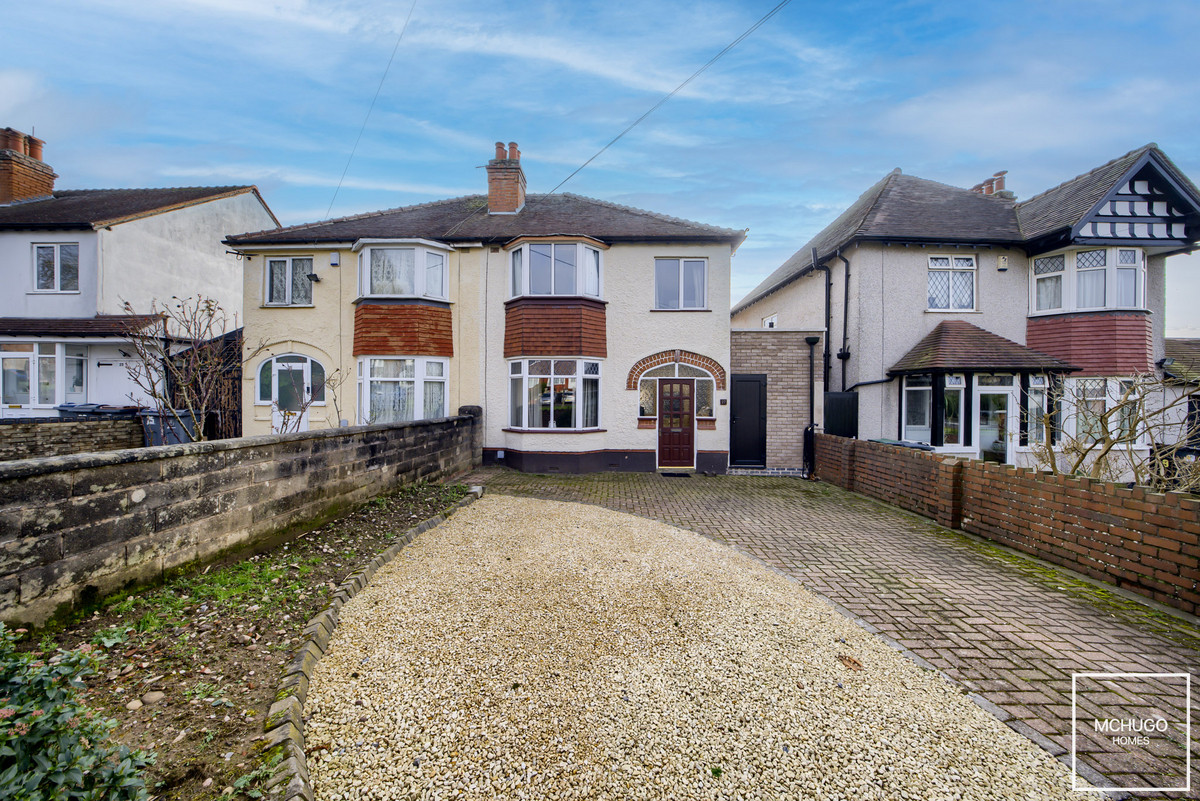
x=1089, y=279
x=288, y=282
x=402, y=272
x=554, y=268
x=951, y=283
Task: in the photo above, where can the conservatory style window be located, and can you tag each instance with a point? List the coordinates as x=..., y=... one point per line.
x=554, y=268
x=401, y=389
x=554, y=393
x=404, y=271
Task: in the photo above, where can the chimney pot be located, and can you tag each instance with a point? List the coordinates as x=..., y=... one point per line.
x=23, y=174
x=34, y=147
x=500, y=150
x=513, y=153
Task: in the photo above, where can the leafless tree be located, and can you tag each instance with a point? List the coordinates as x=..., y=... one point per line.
x=291, y=420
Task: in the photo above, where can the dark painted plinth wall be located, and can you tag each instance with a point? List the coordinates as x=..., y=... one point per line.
x=73, y=528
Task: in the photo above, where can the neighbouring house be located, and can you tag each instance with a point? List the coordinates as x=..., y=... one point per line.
x=957, y=317
x=1181, y=366
x=594, y=336
x=72, y=258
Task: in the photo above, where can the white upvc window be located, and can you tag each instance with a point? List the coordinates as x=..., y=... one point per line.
x=1088, y=279
x=555, y=268
x=403, y=271
x=554, y=393
x=680, y=284
x=401, y=389
x=951, y=283
x=952, y=410
x=288, y=281
x=918, y=408
x=42, y=375
x=56, y=267
x=290, y=381
x=770, y=322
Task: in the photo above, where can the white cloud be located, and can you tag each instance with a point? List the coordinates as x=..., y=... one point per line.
x=255, y=173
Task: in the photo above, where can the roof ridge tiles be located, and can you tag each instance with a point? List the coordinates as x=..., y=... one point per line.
x=1136, y=151
x=635, y=209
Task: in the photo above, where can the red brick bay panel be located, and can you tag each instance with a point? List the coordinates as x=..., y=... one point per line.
x=1100, y=343
x=403, y=330
x=551, y=327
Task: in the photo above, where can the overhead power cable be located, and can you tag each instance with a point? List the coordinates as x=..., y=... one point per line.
x=378, y=89
x=652, y=109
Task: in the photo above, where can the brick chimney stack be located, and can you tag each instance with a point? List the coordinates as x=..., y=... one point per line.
x=991, y=186
x=506, y=181
x=23, y=174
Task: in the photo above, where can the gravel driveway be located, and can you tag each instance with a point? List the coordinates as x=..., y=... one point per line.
x=534, y=649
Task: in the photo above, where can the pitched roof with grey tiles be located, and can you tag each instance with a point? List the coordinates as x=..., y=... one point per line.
x=103, y=325
x=904, y=208
x=465, y=219
x=97, y=208
x=958, y=345
x=1186, y=353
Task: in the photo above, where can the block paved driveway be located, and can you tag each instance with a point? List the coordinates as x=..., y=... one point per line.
x=1009, y=628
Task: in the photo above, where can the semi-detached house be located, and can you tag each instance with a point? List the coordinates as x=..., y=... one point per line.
x=593, y=335
x=952, y=313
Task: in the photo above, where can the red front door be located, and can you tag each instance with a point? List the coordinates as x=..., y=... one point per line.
x=676, y=412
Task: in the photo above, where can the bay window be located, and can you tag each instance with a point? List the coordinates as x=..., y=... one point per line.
x=554, y=268
x=554, y=393
x=951, y=283
x=401, y=389
x=1089, y=279
x=403, y=271
x=918, y=403
x=952, y=408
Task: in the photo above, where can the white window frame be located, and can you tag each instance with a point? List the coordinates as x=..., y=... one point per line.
x=56, y=352
x=1112, y=388
x=518, y=373
x=1112, y=268
x=421, y=248
x=1060, y=274
x=308, y=363
x=287, y=284
x=681, y=262
x=953, y=268
x=519, y=279
x=422, y=375
x=925, y=391
x=57, y=288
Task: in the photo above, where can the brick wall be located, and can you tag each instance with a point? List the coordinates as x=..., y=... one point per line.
x=783, y=357
x=55, y=436
x=1131, y=537
x=548, y=326
x=1101, y=343
x=410, y=329
x=73, y=528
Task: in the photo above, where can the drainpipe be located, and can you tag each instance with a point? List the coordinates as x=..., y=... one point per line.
x=810, y=430
x=844, y=354
x=828, y=288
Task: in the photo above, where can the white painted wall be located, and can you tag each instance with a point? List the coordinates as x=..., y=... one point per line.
x=178, y=253
x=17, y=271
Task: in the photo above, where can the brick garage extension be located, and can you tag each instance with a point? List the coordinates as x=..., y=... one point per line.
x=54, y=436
x=783, y=357
x=410, y=329
x=1100, y=343
x=553, y=327
x=1134, y=538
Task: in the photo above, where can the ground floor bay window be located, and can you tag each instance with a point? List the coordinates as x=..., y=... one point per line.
x=550, y=393
x=400, y=389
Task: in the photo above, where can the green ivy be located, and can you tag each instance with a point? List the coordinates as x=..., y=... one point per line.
x=51, y=746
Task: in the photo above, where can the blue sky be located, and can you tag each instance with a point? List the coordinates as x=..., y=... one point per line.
x=779, y=136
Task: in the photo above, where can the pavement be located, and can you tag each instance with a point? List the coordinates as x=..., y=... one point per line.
x=1012, y=630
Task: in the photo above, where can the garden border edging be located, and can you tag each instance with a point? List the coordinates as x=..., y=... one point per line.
x=284, y=726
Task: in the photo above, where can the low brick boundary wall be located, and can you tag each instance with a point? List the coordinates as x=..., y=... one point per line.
x=1131, y=537
x=284, y=726
x=37, y=437
x=75, y=528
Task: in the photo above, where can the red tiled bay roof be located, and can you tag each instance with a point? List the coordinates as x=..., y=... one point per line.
x=958, y=345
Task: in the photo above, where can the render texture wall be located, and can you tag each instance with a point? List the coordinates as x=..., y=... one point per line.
x=782, y=355
x=74, y=528
x=16, y=264
x=1131, y=537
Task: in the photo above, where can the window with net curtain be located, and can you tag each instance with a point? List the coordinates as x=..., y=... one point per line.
x=554, y=393
x=288, y=283
x=405, y=271
x=401, y=389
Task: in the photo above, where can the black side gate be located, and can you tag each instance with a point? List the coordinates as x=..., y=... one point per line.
x=748, y=420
